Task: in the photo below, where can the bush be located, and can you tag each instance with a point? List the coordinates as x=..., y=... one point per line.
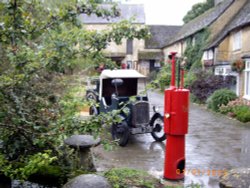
x=152, y=75
x=229, y=108
x=242, y=113
x=239, y=109
x=219, y=98
x=205, y=83
x=189, y=78
x=162, y=79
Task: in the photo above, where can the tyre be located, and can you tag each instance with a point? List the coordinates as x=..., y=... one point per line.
x=91, y=97
x=93, y=110
x=158, y=128
x=120, y=132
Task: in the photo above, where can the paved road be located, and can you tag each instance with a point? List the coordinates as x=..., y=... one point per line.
x=214, y=145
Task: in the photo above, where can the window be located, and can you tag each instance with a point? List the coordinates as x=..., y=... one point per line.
x=129, y=46
x=210, y=54
x=223, y=70
x=247, y=80
x=237, y=40
x=219, y=71
x=205, y=55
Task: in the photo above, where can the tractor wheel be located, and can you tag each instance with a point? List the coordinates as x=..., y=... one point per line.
x=91, y=97
x=93, y=110
x=120, y=132
x=158, y=128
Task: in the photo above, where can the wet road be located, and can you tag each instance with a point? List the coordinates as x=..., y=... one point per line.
x=214, y=145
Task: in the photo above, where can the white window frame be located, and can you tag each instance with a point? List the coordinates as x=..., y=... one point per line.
x=205, y=55
x=237, y=40
x=210, y=54
x=247, y=80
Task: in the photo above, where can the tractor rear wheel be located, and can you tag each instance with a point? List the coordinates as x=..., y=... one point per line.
x=120, y=133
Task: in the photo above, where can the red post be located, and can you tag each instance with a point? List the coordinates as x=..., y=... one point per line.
x=173, y=69
x=182, y=79
x=175, y=126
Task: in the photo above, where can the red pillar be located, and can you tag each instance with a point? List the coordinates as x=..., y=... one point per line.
x=176, y=107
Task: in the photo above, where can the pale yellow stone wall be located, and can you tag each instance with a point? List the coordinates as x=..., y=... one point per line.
x=226, y=53
x=178, y=47
x=218, y=25
x=225, y=49
x=119, y=49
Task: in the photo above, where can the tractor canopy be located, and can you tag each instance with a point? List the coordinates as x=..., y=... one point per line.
x=122, y=82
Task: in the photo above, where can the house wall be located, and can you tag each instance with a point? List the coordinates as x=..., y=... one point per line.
x=218, y=25
x=245, y=40
x=178, y=47
x=149, y=60
x=225, y=53
x=225, y=50
x=113, y=48
x=137, y=45
x=222, y=53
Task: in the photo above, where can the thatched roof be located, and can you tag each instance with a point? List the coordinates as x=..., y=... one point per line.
x=201, y=22
x=160, y=35
x=240, y=20
x=150, y=55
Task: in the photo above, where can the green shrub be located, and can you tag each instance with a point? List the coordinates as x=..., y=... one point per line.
x=242, y=113
x=194, y=99
x=152, y=75
x=162, y=79
x=219, y=98
x=239, y=109
x=189, y=78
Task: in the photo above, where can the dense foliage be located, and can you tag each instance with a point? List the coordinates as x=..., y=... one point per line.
x=39, y=42
x=194, y=50
x=242, y=113
x=205, y=83
x=220, y=97
x=197, y=10
x=162, y=78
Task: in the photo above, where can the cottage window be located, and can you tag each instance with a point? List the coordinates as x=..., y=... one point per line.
x=237, y=40
x=205, y=55
x=247, y=80
x=129, y=46
x=210, y=54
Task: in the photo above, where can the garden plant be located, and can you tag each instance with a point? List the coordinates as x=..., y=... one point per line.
x=41, y=43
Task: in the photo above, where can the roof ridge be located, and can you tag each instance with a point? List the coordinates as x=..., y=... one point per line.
x=201, y=22
x=217, y=38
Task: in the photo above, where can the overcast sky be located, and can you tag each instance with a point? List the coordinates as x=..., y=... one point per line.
x=166, y=12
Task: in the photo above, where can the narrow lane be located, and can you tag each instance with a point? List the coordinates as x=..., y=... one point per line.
x=214, y=145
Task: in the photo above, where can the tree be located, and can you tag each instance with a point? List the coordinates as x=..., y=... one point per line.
x=39, y=40
x=197, y=10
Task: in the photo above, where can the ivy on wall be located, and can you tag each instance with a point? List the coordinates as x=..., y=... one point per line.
x=194, y=49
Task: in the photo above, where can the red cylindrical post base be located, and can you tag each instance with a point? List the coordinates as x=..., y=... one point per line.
x=175, y=157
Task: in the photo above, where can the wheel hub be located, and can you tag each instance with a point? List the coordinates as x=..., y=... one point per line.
x=157, y=128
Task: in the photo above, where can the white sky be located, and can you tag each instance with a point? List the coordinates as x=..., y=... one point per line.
x=165, y=12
